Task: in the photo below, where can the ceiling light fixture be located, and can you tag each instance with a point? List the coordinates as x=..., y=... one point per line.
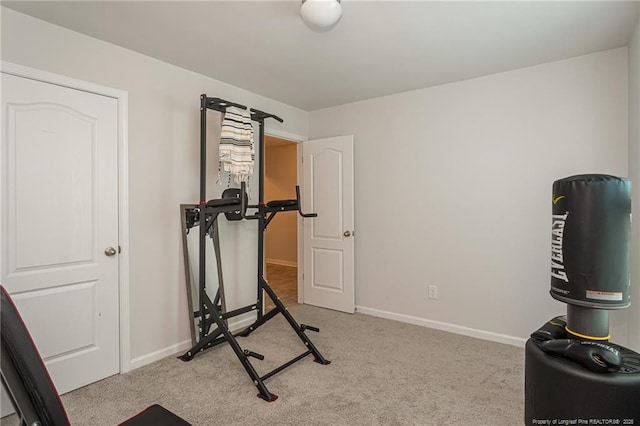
x=320, y=14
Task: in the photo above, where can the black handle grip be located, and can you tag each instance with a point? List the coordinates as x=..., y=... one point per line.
x=243, y=203
x=247, y=352
x=258, y=115
x=309, y=327
x=300, y=205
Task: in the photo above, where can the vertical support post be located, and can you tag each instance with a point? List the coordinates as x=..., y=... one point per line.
x=215, y=238
x=203, y=220
x=261, y=216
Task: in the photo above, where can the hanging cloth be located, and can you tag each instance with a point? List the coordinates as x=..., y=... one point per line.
x=237, y=152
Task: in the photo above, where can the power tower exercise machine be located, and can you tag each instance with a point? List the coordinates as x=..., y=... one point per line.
x=573, y=374
x=211, y=315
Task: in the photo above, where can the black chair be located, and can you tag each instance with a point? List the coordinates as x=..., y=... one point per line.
x=29, y=386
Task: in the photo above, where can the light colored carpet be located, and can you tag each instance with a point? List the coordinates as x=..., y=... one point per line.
x=382, y=373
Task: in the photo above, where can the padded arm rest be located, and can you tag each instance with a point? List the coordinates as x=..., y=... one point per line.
x=282, y=203
x=221, y=202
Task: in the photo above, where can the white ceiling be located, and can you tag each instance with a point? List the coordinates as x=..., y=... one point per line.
x=378, y=47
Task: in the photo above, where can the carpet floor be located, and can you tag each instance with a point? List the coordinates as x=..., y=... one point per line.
x=383, y=372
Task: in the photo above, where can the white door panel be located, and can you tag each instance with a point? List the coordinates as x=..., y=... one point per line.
x=59, y=211
x=328, y=239
x=71, y=330
x=42, y=131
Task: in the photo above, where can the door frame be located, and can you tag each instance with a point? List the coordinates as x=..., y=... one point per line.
x=298, y=140
x=122, y=98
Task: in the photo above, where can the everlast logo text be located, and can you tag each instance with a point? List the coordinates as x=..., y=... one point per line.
x=557, y=231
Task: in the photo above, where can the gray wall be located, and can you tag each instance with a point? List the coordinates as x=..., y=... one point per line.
x=453, y=188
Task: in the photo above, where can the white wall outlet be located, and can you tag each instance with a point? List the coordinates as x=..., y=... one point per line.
x=433, y=292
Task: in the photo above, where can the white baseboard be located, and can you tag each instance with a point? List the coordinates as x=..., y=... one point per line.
x=244, y=323
x=444, y=326
x=160, y=354
x=282, y=262
x=182, y=346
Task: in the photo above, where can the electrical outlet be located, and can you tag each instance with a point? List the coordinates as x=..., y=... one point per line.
x=433, y=292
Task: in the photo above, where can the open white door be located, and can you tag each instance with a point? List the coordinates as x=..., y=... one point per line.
x=59, y=224
x=329, y=279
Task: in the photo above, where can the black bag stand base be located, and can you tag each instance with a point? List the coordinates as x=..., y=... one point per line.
x=559, y=390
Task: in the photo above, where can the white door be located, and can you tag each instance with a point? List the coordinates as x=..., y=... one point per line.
x=329, y=279
x=59, y=212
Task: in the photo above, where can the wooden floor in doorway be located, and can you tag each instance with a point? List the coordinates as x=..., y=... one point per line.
x=284, y=281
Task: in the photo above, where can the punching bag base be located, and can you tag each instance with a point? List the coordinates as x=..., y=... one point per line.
x=561, y=392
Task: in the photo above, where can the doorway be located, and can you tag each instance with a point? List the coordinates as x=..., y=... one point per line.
x=281, y=238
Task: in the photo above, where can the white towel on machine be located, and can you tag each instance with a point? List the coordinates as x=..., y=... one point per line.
x=236, y=145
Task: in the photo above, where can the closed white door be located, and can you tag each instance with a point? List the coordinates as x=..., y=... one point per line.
x=59, y=224
x=329, y=279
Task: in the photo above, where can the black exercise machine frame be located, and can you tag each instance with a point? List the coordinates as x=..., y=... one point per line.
x=213, y=312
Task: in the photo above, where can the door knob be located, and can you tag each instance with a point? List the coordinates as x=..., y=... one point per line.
x=347, y=233
x=110, y=251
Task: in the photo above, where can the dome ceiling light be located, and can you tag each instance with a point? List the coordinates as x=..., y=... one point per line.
x=320, y=14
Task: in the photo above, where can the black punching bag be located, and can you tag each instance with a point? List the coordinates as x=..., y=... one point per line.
x=591, y=240
x=590, y=250
x=573, y=375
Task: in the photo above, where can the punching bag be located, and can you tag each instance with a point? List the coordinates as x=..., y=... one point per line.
x=591, y=241
x=573, y=374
